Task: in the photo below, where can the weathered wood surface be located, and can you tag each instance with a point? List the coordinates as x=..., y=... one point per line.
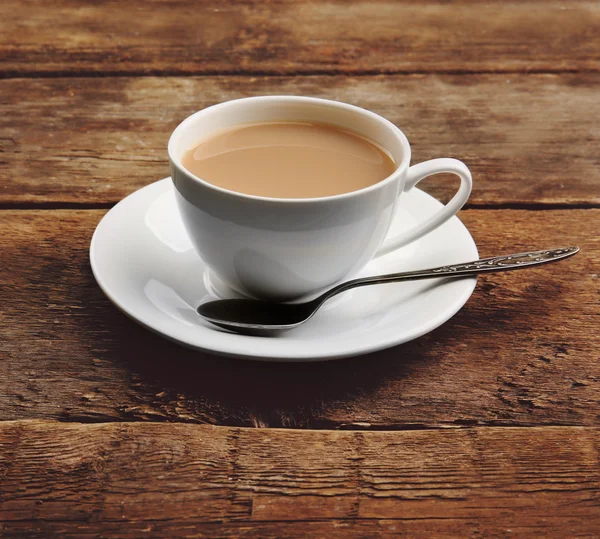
x=125, y=480
x=187, y=37
x=528, y=139
x=525, y=349
x=511, y=88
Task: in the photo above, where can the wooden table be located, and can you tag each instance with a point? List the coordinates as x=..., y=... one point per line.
x=486, y=427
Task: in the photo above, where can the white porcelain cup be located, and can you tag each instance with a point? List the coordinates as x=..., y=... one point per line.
x=282, y=249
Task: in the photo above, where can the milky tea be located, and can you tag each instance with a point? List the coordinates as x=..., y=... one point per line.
x=289, y=160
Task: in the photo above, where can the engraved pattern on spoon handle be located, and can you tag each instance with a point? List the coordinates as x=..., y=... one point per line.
x=499, y=263
x=484, y=265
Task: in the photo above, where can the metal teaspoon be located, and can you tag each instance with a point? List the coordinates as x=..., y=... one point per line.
x=262, y=317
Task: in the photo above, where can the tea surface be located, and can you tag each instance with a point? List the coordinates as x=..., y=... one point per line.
x=289, y=160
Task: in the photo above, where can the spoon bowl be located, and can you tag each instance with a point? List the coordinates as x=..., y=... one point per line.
x=257, y=316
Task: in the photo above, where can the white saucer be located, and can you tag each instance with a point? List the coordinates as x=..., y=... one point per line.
x=144, y=262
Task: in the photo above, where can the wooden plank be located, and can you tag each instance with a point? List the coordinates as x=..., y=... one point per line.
x=290, y=36
x=168, y=480
x=529, y=139
x=523, y=351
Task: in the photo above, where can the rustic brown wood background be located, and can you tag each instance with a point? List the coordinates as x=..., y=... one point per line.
x=486, y=427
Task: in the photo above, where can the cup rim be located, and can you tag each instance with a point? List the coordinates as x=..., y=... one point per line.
x=402, y=166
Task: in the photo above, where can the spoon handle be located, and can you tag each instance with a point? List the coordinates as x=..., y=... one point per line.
x=485, y=265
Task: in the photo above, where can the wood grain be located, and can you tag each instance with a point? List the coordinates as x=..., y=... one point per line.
x=525, y=349
x=528, y=139
x=290, y=36
x=125, y=480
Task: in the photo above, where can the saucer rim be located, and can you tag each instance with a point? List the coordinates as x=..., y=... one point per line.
x=308, y=356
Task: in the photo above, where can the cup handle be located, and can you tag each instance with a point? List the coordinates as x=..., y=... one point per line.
x=419, y=172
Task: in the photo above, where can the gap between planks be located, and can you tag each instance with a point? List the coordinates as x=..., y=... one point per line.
x=340, y=429
x=61, y=74
x=54, y=206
